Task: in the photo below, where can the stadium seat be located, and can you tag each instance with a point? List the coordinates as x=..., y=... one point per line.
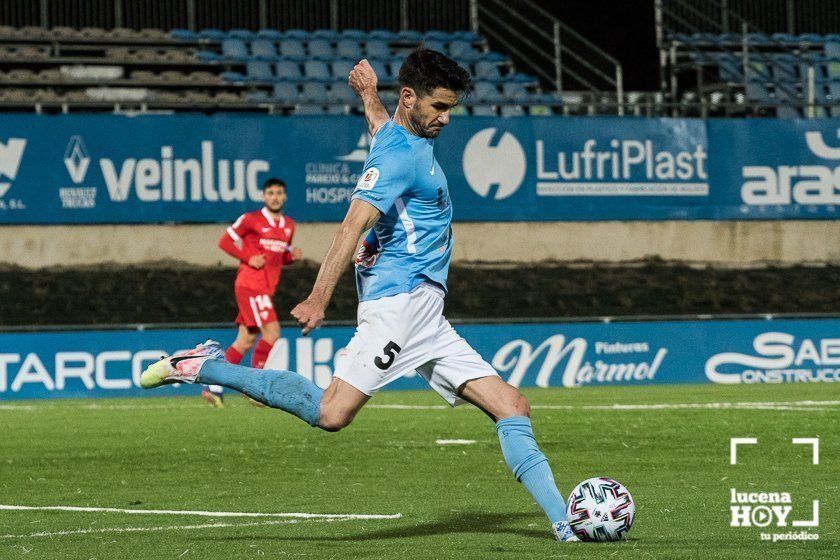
x=383, y=35
x=512, y=111
x=264, y=49
x=341, y=92
x=226, y=97
x=389, y=98
x=204, y=56
x=463, y=50
x=483, y=110
x=285, y=92
x=394, y=66
x=485, y=70
x=437, y=35
x=259, y=71
x=349, y=48
x=296, y=34
x=292, y=48
x=459, y=111
x=203, y=76
x=785, y=66
x=377, y=49
x=314, y=92
x=326, y=34
x=341, y=68
x=434, y=45
x=783, y=38
x=183, y=35
x=485, y=92
x=515, y=92
x=832, y=49
x=288, y=70
x=234, y=49
x=336, y=109
x=241, y=34
x=320, y=48
x=316, y=70
x=834, y=92
x=258, y=96
x=353, y=35
x=756, y=91
x=521, y=78
x=466, y=36
x=811, y=38
x=789, y=101
x=382, y=73
x=270, y=34
x=310, y=110
x=729, y=67
x=493, y=56
x=409, y=36
x=214, y=35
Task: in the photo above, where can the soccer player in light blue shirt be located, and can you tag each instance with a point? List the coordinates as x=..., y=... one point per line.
x=402, y=197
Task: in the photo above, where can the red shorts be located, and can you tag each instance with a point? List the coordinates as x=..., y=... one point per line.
x=255, y=308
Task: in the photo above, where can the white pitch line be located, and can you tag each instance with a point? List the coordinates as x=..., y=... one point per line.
x=776, y=405
x=154, y=529
x=409, y=406
x=455, y=441
x=200, y=513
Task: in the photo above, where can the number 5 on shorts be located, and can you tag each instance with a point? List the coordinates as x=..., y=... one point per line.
x=391, y=350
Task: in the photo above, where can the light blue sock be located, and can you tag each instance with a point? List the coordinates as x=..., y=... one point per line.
x=529, y=465
x=285, y=390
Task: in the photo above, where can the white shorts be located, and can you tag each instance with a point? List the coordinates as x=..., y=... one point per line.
x=404, y=333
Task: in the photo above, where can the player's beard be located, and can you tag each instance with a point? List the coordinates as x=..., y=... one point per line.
x=275, y=208
x=421, y=129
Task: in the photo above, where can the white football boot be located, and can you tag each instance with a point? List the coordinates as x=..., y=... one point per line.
x=181, y=367
x=563, y=532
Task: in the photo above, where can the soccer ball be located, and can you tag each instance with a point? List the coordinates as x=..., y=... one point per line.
x=600, y=509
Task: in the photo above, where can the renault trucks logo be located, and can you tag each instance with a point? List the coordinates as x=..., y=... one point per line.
x=10, y=155
x=778, y=358
x=494, y=164
x=76, y=159
x=801, y=184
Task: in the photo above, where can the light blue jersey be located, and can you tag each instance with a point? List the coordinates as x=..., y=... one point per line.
x=403, y=180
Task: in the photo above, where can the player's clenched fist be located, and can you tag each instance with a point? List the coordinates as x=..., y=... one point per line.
x=309, y=315
x=363, y=78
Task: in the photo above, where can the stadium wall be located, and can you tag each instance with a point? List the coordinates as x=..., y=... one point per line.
x=523, y=189
x=100, y=363
x=726, y=243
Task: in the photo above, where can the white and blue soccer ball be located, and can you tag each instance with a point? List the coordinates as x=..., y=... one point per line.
x=600, y=510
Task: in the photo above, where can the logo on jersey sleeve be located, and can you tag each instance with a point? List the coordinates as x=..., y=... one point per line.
x=368, y=180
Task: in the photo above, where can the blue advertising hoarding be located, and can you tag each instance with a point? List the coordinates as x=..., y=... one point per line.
x=194, y=168
x=567, y=355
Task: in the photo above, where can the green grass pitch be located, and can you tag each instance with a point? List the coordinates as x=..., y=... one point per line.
x=455, y=501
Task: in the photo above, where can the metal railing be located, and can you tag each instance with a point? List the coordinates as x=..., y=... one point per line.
x=717, y=17
x=548, y=47
x=775, y=16
x=447, y=15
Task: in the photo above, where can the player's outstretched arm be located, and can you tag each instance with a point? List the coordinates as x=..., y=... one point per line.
x=363, y=80
x=360, y=217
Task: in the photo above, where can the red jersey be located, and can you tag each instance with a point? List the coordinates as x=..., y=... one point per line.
x=260, y=233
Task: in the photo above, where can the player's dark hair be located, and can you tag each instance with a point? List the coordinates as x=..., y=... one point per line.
x=424, y=70
x=274, y=182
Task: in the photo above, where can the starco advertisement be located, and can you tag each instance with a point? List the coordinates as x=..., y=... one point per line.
x=109, y=363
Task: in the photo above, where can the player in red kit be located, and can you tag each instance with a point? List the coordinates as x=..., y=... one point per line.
x=262, y=241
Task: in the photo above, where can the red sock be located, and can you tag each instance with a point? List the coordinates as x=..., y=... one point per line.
x=260, y=354
x=233, y=356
